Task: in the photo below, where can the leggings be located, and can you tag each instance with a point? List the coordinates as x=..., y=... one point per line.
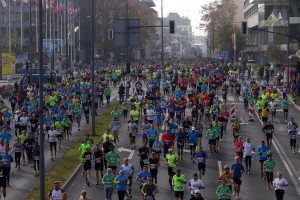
x=108, y=193
x=36, y=165
x=279, y=194
x=121, y=195
x=17, y=157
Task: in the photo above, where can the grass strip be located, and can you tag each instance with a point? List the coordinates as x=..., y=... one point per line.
x=69, y=162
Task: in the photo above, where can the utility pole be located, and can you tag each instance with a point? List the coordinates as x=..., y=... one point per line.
x=41, y=103
x=66, y=38
x=288, y=45
x=127, y=34
x=93, y=72
x=30, y=43
x=162, y=35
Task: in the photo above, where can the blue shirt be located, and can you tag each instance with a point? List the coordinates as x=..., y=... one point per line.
x=172, y=128
x=7, y=116
x=264, y=152
x=201, y=156
x=47, y=121
x=157, y=145
x=152, y=133
x=6, y=137
x=7, y=159
x=144, y=176
x=158, y=112
x=236, y=169
x=192, y=137
x=122, y=185
x=293, y=134
x=178, y=110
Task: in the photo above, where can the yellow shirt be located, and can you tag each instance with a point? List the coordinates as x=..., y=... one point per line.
x=264, y=112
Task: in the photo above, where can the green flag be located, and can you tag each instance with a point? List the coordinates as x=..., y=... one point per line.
x=271, y=19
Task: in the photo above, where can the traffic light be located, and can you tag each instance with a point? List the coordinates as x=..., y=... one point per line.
x=172, y=26
x=110, y=34
x=244, y=27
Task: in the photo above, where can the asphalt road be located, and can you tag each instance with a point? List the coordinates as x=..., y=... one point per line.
x=253, y=186
x=24, y=181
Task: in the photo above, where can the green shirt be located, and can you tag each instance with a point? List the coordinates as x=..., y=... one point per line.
x=171, y=159
x=223, y=192
x=211, y=134
x=285, y=104
x=260, y=104
x=179, y=182
x=112, y=158
x=107, y=92
x=115, y=114
x=108, y=181
x=269, y=165
x=67, y=122
x=125, y=106
x=135, y=114
x=78, y=112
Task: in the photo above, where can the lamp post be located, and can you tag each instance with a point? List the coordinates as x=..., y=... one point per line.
x=162, y=34
x=41, y=103
x=66, y=37
x=93, y=72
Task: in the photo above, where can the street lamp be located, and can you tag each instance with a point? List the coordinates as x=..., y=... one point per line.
x=93, y=72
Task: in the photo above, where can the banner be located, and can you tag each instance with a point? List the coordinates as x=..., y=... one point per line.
x=21, y=59
x=8, y=63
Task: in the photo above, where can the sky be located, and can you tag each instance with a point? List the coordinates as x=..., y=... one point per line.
x=186, y=8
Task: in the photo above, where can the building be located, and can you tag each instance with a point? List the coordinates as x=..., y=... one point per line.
x=259, y=15
x=180, y=43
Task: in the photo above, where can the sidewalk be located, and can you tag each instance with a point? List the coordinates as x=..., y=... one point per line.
x=22, y=182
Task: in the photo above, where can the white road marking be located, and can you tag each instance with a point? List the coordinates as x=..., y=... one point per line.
x=131, y=152
x=285, y=159
x=244, y=123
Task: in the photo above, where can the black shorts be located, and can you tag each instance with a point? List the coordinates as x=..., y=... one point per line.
x=237, y=181
x=262, y=161
x=213, y=142
x=264, y=119
x=180, y=145
x=193, y=145
x=269, y=136
x=201, y=166
x=114, y=168
x=3, y=182
x=150, y=121
x=87, y=166
x=52, y=145
x=179, y=194
x=285, y=110
x=99, y=166
x=171, y=171
x=131, y=136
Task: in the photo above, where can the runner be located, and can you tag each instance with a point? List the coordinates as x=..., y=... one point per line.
x=113, y=159
x=279, y=183
x=238, y=145
x=180, y=138
x=192, y=136
x=195, y=185
x=227, y=176
x=223, y=191
x=268, y=129
x=143, y=175
x=211, y=135
x=201, y=157
x=98, y=162
x=108, y=182
x=235, y=130
x=179, y=182
x=52, y=135
x=55, y=192
x=149, y=189
x=262, y=152
x=17, y=149
x=121, y=181
x=36, y=158
x=87, y=165
x=285, y=106
x=237, y=168
x=153, y=166
x=293, y=138
x=144, y=154
x=248, y=148
x=129, y=173
x=269, y=166
x=171, y=161
x=168, y=141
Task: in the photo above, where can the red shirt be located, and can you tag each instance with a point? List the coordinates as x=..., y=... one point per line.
x=238, y=147
x=167, y=140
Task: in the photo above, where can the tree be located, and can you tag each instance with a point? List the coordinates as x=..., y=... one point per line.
x=220, y=26
x=15, y=45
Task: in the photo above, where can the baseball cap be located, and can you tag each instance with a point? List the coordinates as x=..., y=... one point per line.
x=121, y=171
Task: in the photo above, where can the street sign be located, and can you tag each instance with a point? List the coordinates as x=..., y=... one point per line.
x=262, y=59
x=223, y=54
x=298, y=54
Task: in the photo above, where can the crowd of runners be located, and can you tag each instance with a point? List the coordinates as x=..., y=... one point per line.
x=187, y=101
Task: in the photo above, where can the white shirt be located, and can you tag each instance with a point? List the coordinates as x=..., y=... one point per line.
x=248, y=147
x=195, y=185
x=279, y=183
x=150, y=114
x=24, y=120
x=52, y=135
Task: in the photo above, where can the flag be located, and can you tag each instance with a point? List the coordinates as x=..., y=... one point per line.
x=3, y=4
x=280, y=19
x=54, y=6
x=76, y=29
x=271, y=20
x=23, y=1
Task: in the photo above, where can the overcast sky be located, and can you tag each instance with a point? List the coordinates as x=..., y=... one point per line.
x=187, y=8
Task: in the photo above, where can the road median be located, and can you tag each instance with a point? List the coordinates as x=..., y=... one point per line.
x=69, y=164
